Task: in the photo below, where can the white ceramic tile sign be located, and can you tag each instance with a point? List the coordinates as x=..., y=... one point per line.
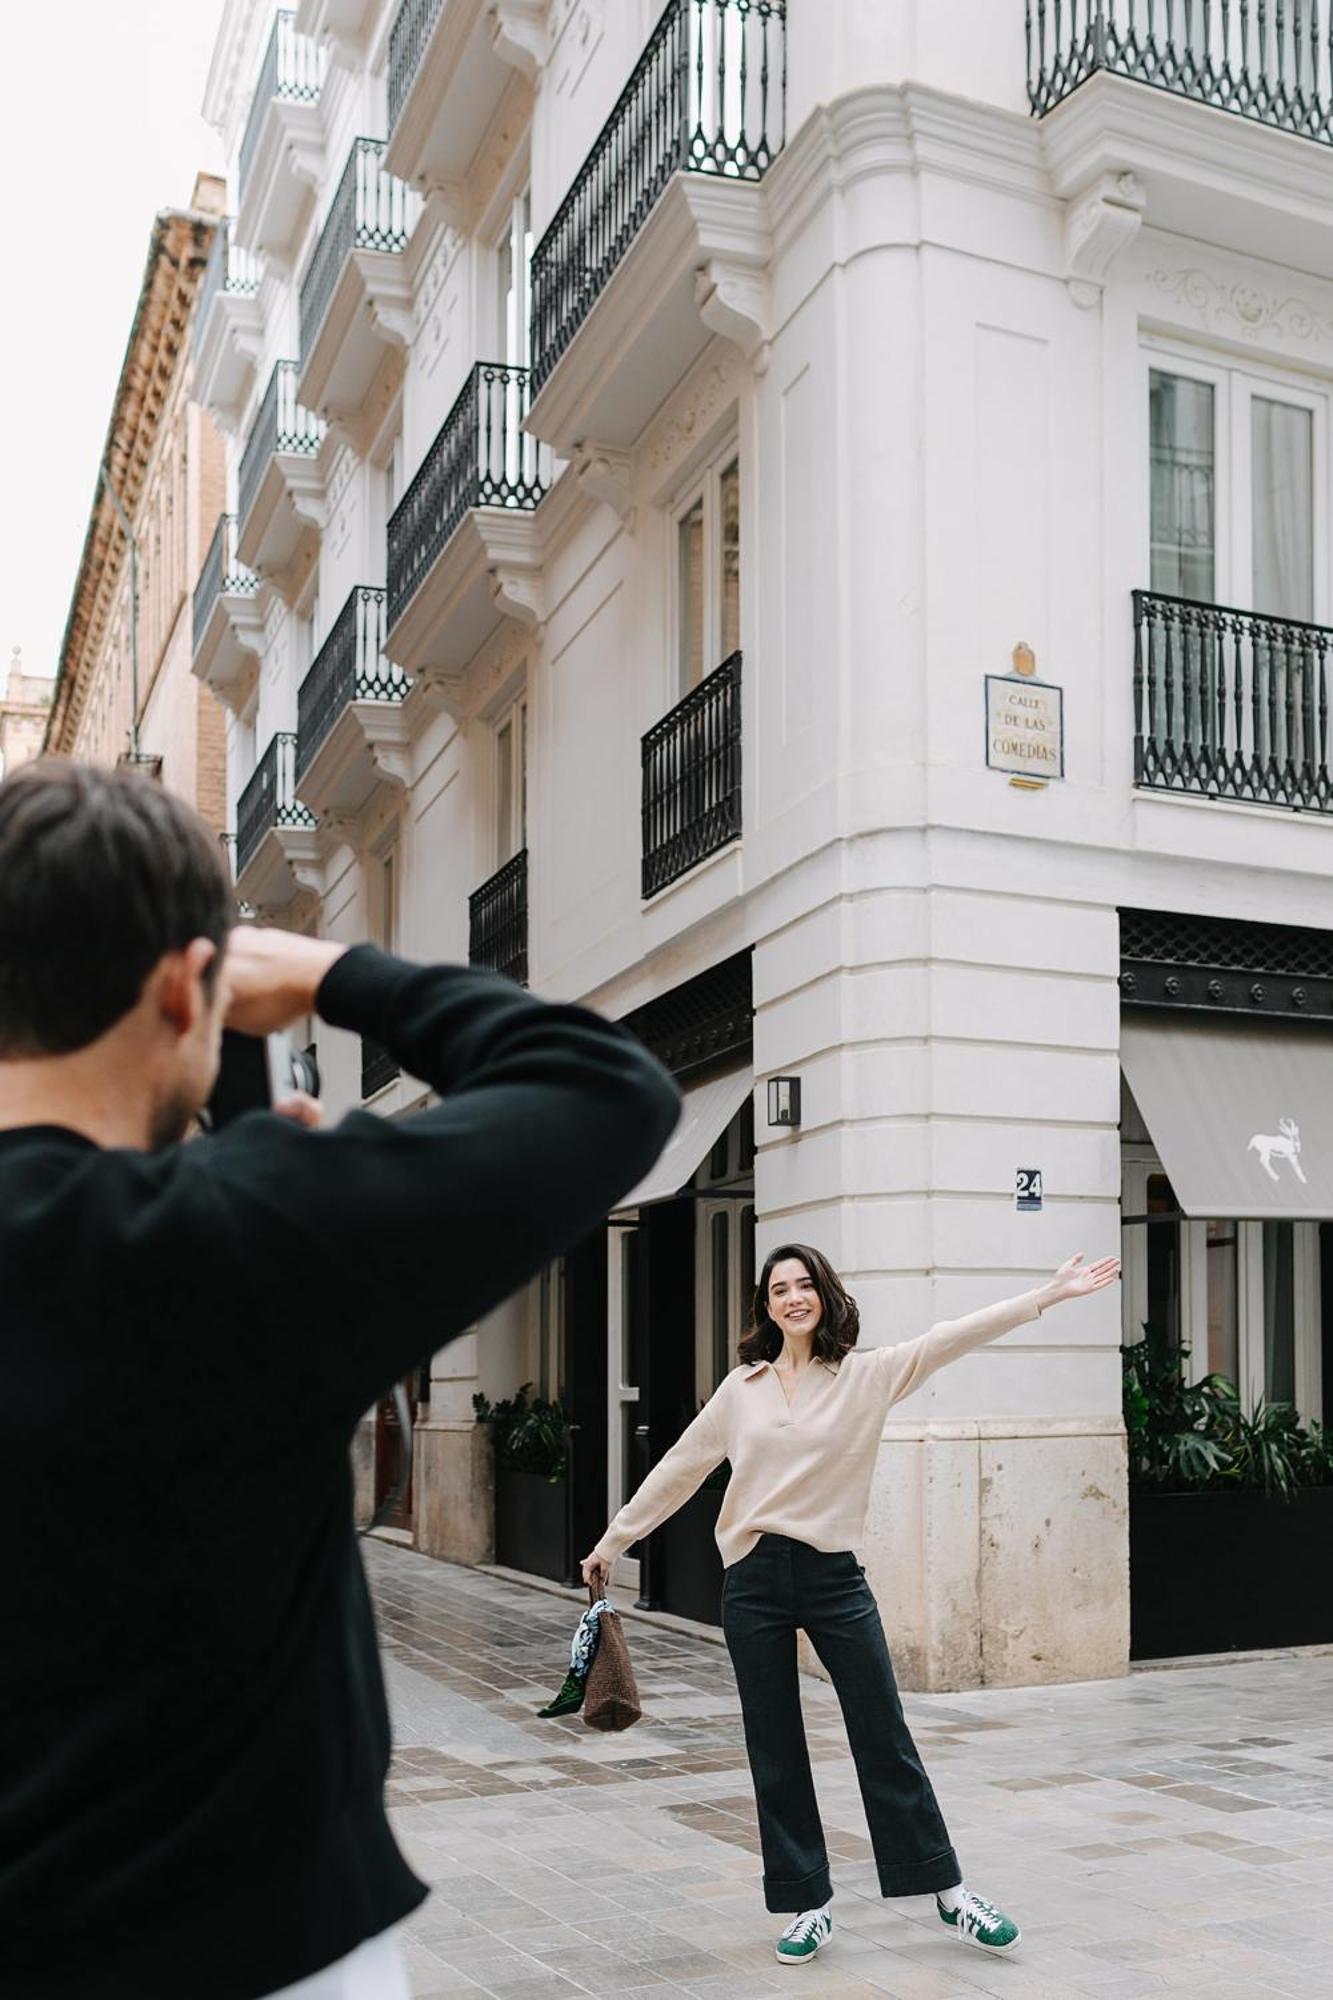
x=1025, y=723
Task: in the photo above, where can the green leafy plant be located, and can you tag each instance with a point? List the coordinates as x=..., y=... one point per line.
x=531, y=1434
x=1184, y=1436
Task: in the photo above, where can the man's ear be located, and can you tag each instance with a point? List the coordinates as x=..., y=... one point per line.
x=180, y=981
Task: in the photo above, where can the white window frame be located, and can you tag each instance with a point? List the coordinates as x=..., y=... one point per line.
x=1138, y=1163
x=620, y=1395
x=513, y=332
x=707, y=487
x=1235, y=387
x=514, y=717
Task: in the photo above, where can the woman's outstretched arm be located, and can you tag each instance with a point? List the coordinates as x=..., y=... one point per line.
x=699, y=1450
x=914, y=1361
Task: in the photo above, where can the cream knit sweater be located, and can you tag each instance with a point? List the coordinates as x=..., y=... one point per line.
x=804, y=1470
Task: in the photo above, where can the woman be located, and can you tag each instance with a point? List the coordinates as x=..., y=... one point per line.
x=800, y=1420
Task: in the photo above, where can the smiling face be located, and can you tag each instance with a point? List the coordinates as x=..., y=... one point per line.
x=794, y=1305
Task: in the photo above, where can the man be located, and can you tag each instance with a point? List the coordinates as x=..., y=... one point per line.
x=193, y=1733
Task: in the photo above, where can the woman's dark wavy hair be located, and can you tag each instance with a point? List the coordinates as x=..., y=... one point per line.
x=837, y=1330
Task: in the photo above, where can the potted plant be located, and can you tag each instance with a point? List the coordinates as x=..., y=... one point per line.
x=1230, y=1513
x=532, y=1485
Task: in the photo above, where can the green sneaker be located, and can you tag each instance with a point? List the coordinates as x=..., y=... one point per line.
x=978, y=1922
x=804, y=1936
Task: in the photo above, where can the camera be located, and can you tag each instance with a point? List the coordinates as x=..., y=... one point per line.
x=254, y=1072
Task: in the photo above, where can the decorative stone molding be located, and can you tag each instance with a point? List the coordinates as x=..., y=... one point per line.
x=733, y=301
x=606, y=474
x=517, y=591
x=674, y=436
x=519, y=35
x=1240, y=309
x=1100, y=224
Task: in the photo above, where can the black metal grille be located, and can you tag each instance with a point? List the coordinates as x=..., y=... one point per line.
x=292, y=69
x=377, y=1067
x=708, y=1019
x=692, y=778
x=1218, y=965
x=407, y=38
x=1230, y=704
x=368, y=212
x=1263, y=59
x=708, y=95
x=269, y=798
x=498, y=921
x=350, y=666
x=481, y=457
x=229, y=269
x=220, y=571
x=281, y=424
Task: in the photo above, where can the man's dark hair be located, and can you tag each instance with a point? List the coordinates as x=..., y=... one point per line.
x=101, y=873
x=837, y=1330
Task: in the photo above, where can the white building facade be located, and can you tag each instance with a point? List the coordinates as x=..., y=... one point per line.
x=649, y=430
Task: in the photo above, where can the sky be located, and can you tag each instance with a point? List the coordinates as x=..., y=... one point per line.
x=99, y=105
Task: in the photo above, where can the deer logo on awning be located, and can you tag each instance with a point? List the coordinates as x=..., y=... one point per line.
x=1285, y=1145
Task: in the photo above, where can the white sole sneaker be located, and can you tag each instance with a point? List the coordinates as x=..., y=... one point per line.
x=817, y=1945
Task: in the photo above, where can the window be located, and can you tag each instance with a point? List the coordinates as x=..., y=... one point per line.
x=513, y=261
x=387, y=914
x=1242, y=1297
x=511, y=784
x=1237, y=510
x=708, y=574
x=724, y=1251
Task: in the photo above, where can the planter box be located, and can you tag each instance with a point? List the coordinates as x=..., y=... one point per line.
x=691, y=1565
x=531, y=1523
x=1228, y=1572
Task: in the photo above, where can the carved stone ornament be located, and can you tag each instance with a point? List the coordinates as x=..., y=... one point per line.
x=607, y=475
x=518, y=592
x=733, y=301
x=1239, y=309
x=1099, y=224
x=518, y=34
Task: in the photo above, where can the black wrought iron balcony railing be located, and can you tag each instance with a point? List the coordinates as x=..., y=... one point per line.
x=481, y=457
x=269, y=798
x=368, y=212
x=292, y=71
x=407, y=40
x=220, y=572
x=692, y=778
x=1231, y=704
x=378, y=1067
x=1270, y=60
x=281, y=425
x=708, y=96
x=350, y=666
x=230, y=270
x=498, y=921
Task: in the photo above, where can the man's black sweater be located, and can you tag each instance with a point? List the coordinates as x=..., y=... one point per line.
x=193, y=1732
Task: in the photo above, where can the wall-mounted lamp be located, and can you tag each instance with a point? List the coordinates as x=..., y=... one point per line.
x=784, y=1100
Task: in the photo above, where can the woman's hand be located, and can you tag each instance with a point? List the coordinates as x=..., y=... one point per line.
x=596, y=1574
x=1077, y=1280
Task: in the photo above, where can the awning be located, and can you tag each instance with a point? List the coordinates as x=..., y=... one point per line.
x=1241, y=1116
x=707, y=1111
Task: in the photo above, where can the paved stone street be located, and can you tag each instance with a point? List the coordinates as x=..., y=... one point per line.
x=1169, y=1833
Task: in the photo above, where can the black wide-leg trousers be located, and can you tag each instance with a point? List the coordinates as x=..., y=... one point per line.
x=781, y=1587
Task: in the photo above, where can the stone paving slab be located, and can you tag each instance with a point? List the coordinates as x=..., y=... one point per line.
x=1171, y=1833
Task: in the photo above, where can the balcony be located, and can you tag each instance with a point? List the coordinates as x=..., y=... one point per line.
x=692, y=779
x=282, y=148
x=277, y=854
x=343, y=24
x=662, y=241
x=1230, y=704
x=228, y=620
x=280, y=489
x=498, y=921
x=451, y=63
x=356, y=299
x=350, y=736
x=1263, y=61
x=463, y=550
x=228, y=326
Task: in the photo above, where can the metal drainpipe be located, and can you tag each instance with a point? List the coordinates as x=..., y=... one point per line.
x=117, y=503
